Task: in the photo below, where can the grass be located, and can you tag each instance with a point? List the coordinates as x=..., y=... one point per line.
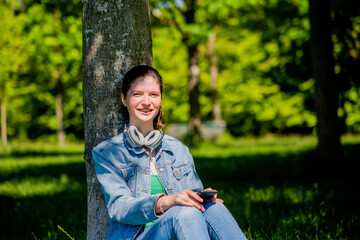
x=42, y=186
x=268, y=184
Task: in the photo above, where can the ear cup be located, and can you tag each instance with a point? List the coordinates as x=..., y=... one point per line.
x=135, y=136
x=136, y=139
x=153, y=139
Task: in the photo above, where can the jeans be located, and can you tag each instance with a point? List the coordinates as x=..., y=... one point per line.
x=185, y=223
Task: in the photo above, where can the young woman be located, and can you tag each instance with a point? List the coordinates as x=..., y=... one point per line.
x=149, y=178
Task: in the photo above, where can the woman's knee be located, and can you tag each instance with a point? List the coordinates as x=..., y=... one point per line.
x=186, y=214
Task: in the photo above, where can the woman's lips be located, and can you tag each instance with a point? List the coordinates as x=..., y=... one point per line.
x=145, y=110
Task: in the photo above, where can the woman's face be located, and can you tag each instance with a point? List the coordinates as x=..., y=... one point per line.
x=143, y=101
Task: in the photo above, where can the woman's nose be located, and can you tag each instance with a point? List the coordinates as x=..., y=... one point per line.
x=146, y=100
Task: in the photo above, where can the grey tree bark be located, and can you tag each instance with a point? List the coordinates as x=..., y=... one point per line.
x=116, y=37
x=327, y=90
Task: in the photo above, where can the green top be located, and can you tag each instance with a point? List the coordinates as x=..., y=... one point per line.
x=156, y=188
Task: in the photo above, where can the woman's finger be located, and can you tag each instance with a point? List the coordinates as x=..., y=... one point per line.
x=190, y=199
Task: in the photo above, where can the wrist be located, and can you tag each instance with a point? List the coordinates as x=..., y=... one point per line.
x=159, y=208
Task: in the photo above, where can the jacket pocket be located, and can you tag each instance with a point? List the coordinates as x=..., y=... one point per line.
x=127, y=172
x=180, y=171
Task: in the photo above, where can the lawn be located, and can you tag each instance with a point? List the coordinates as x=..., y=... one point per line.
x=268, y=184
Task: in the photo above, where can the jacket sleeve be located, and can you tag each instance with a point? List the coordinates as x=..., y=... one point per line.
x=194, y=182
x=122, y=206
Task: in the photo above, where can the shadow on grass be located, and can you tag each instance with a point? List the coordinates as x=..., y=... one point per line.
x=73, y=170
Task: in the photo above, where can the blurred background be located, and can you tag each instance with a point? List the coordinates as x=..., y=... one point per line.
x=254, y=66
x=255, y=98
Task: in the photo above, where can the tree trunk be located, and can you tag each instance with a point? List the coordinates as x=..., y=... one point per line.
x=3, y=124
x=60, y=113
x=213, y=77
x=194, y=73
x=116, y=37
x=326, y=88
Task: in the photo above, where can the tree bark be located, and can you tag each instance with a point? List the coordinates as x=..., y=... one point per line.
x=3, y=124
x=326, y=88
x=116, y=37
x=213, y=77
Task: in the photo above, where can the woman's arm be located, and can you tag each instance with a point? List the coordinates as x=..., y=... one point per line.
x=121, y=204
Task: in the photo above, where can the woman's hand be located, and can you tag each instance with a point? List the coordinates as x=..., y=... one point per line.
x=186, y=198
x=214, y=198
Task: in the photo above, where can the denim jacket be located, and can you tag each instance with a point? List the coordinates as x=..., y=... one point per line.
x=124, y=175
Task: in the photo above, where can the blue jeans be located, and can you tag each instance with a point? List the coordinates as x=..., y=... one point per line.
x=181, y=222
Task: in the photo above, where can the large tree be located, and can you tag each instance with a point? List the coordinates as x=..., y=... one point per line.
x=116, y=36
x=326, y=87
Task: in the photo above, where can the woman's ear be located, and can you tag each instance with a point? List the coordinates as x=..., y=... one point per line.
x=123, y=99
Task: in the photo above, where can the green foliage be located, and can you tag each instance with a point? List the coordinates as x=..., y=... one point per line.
x=269, y=185
x=172, y=66
x=42, y=57
x=13, y=60
x=265, y=81
x=56, y=68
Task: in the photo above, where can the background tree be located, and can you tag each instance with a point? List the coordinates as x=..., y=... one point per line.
x=214, y=72
x=181, y=15
x=326, y=88
x=116, y=36
x=55, y=60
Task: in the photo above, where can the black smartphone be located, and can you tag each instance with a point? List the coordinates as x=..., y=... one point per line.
x=206, y=195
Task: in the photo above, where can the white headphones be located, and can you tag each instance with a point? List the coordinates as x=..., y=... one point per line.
x=152, y=139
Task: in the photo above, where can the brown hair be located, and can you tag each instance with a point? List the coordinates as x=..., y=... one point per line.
x=129, y=80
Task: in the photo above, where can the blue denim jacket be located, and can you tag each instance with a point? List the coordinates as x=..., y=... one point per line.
x=124, y=175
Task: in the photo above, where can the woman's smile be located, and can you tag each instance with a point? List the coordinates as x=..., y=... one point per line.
x=145, y=111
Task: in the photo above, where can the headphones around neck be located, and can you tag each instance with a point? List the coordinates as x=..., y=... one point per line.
x=152, y=140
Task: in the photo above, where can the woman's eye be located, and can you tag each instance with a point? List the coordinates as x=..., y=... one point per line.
x=136, y=94
x=154, y=95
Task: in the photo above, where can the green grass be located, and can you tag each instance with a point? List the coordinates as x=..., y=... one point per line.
x=269, y=185
x=42, y=186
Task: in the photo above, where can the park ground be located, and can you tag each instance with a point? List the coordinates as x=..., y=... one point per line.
x=269, y=184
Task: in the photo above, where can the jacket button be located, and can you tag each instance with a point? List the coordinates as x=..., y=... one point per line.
x=161, y=169
x=169, y=187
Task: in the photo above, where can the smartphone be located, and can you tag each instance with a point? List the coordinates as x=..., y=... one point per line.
x=206, y=195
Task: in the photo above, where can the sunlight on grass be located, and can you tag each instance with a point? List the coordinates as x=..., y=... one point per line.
x=29, y=187
x=25, y=147
x=256, y=146
x=293, y=195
